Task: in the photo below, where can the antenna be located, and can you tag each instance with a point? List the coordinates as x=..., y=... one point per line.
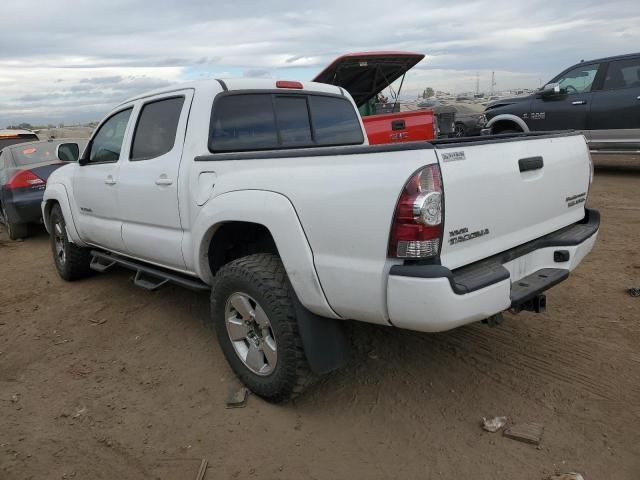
x=493, y=81
x=477, y=83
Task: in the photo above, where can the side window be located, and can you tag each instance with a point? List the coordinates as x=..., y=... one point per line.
x=156, y=128
x=623, y=74
x=107, y=143
x=578, y=80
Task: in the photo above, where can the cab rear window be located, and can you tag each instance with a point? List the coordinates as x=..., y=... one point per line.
x=265, y=121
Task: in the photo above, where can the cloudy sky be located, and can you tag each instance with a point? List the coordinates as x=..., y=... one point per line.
x=73, y=60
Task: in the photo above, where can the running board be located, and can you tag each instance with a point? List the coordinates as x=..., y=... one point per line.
x=147, y=277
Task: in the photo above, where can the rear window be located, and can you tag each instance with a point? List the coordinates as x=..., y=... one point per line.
x=265, y=121
x=30, y=154
x=11, y=139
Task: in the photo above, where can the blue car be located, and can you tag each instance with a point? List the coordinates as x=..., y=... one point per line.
x=24, y=170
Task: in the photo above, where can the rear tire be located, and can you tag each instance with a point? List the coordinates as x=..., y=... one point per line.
x=72, y=262
x=15, y=231
x=252, y=302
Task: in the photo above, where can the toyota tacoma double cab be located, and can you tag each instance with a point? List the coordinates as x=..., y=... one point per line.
x=600, y=98
x=266, y=194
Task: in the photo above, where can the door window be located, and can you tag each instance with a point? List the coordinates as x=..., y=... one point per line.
x=578, y=80
x=107, y=143
x=155, y=132
x=623, y=74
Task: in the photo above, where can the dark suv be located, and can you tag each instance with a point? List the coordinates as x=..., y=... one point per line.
x=600, y=97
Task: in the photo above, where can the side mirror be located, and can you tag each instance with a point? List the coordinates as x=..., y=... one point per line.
x=68, y=152
x=550, y=89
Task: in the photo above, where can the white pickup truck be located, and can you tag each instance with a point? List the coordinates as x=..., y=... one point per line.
x=266, y=194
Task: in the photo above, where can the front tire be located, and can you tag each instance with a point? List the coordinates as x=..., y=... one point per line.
x=253, y=314
x=72, y=262
x=460, y=130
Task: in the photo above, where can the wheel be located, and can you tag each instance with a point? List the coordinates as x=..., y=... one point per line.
x=253, y=314
x=72, y=262
x=15, y=231
x=460, y=131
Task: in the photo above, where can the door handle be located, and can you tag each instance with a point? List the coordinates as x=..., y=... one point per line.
x=579, y=102
x=163, y=180
x=530, y=163
x=109, y=180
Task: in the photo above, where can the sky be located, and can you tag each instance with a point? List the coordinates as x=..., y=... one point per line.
x=72, y=61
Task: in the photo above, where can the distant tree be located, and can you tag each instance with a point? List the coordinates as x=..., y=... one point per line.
x=61, y=125
x=428, y=92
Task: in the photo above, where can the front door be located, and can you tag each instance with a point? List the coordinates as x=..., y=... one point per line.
x=569, y=109
x=148, y=187
x=615, y=110
x=95, y=184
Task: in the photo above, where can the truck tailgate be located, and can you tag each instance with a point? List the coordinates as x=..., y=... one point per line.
x=501, y=193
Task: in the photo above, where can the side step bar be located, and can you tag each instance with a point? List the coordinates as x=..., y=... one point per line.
x=147, y=277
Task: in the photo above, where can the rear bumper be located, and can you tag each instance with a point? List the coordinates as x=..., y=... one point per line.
x=432, y=298
x=23, y=205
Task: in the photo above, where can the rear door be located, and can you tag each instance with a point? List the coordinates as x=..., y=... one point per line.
x=568, y=110
x=615, y=110
x=148, y=186
x=501, y=194
x=95, y=183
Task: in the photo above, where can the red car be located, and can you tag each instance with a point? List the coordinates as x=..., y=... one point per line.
x=365, y=75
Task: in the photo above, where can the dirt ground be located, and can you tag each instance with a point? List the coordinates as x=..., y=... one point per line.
x=101, y=380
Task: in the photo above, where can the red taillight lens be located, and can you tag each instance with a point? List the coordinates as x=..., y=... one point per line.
x=288, y=84
x=416, y=231
x=25, y=179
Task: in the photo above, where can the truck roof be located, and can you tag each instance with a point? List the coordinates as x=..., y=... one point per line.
x=237, y=84
x=608, y=59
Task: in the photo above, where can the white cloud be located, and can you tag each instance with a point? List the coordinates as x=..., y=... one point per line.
x=70, y=60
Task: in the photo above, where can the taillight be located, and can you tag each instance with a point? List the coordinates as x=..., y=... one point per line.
x=25, y=179
x=416, y=231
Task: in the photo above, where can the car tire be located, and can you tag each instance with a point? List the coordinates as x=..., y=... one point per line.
x=253, y=314
x=15, y=231
x=72, y=262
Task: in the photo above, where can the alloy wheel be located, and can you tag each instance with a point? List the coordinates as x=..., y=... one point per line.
x=251, y=334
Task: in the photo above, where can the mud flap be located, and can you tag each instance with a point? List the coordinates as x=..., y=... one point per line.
x=324, y=339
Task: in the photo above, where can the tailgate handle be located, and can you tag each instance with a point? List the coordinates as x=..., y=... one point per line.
x=397, y=125
x=531, y=163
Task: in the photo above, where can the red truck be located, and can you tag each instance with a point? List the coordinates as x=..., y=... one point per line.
x=365, y=75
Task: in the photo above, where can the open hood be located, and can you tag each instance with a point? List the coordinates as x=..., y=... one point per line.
x=366, y=74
